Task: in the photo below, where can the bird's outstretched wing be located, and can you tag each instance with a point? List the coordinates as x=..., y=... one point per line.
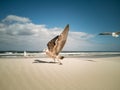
x=56, y=44
x=105, y=33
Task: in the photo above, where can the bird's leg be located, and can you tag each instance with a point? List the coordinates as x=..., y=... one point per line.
x=59, y=60
x=54, y=60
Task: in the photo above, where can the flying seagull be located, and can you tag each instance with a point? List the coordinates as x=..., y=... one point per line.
x=56, y=45
x=114, y=34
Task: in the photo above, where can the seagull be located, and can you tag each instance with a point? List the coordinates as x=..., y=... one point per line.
x=114, y=34
x=56, y=45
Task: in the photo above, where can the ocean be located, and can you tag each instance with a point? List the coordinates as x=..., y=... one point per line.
x=66, y=54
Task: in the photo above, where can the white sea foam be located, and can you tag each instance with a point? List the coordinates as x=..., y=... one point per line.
x=91, y=54
x=66, y=54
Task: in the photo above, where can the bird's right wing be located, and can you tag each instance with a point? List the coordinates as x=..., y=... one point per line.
x=61, y=40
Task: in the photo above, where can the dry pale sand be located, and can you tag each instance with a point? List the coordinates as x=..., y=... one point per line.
x=74, y=74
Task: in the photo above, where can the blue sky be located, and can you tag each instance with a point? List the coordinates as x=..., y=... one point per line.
x=47, y=18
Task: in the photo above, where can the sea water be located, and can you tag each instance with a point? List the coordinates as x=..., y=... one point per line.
x=69, y=54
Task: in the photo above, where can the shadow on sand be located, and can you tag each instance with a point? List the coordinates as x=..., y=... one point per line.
x=91, y=60
x=41, y=61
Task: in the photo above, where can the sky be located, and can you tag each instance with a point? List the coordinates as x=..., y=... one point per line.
x=31, y=24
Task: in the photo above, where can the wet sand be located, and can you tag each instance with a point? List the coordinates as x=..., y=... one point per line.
x=74, y=74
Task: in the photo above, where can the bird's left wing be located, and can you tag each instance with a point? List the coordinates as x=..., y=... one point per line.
x=51, y=44
x=105, y=33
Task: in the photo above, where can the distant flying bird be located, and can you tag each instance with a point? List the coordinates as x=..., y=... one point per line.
x=114, y=34
x=56, y=45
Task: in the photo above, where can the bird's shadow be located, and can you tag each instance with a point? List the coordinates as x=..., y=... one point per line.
x=41, y=61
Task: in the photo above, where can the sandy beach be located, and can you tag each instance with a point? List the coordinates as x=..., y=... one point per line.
x=74, y=74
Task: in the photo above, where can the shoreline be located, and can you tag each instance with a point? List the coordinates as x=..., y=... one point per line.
x=72, y=54
x=68, y=56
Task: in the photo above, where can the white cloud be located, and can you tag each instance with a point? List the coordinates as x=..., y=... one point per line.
x=12, y=18
x=80, y=35
x=24, y=35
